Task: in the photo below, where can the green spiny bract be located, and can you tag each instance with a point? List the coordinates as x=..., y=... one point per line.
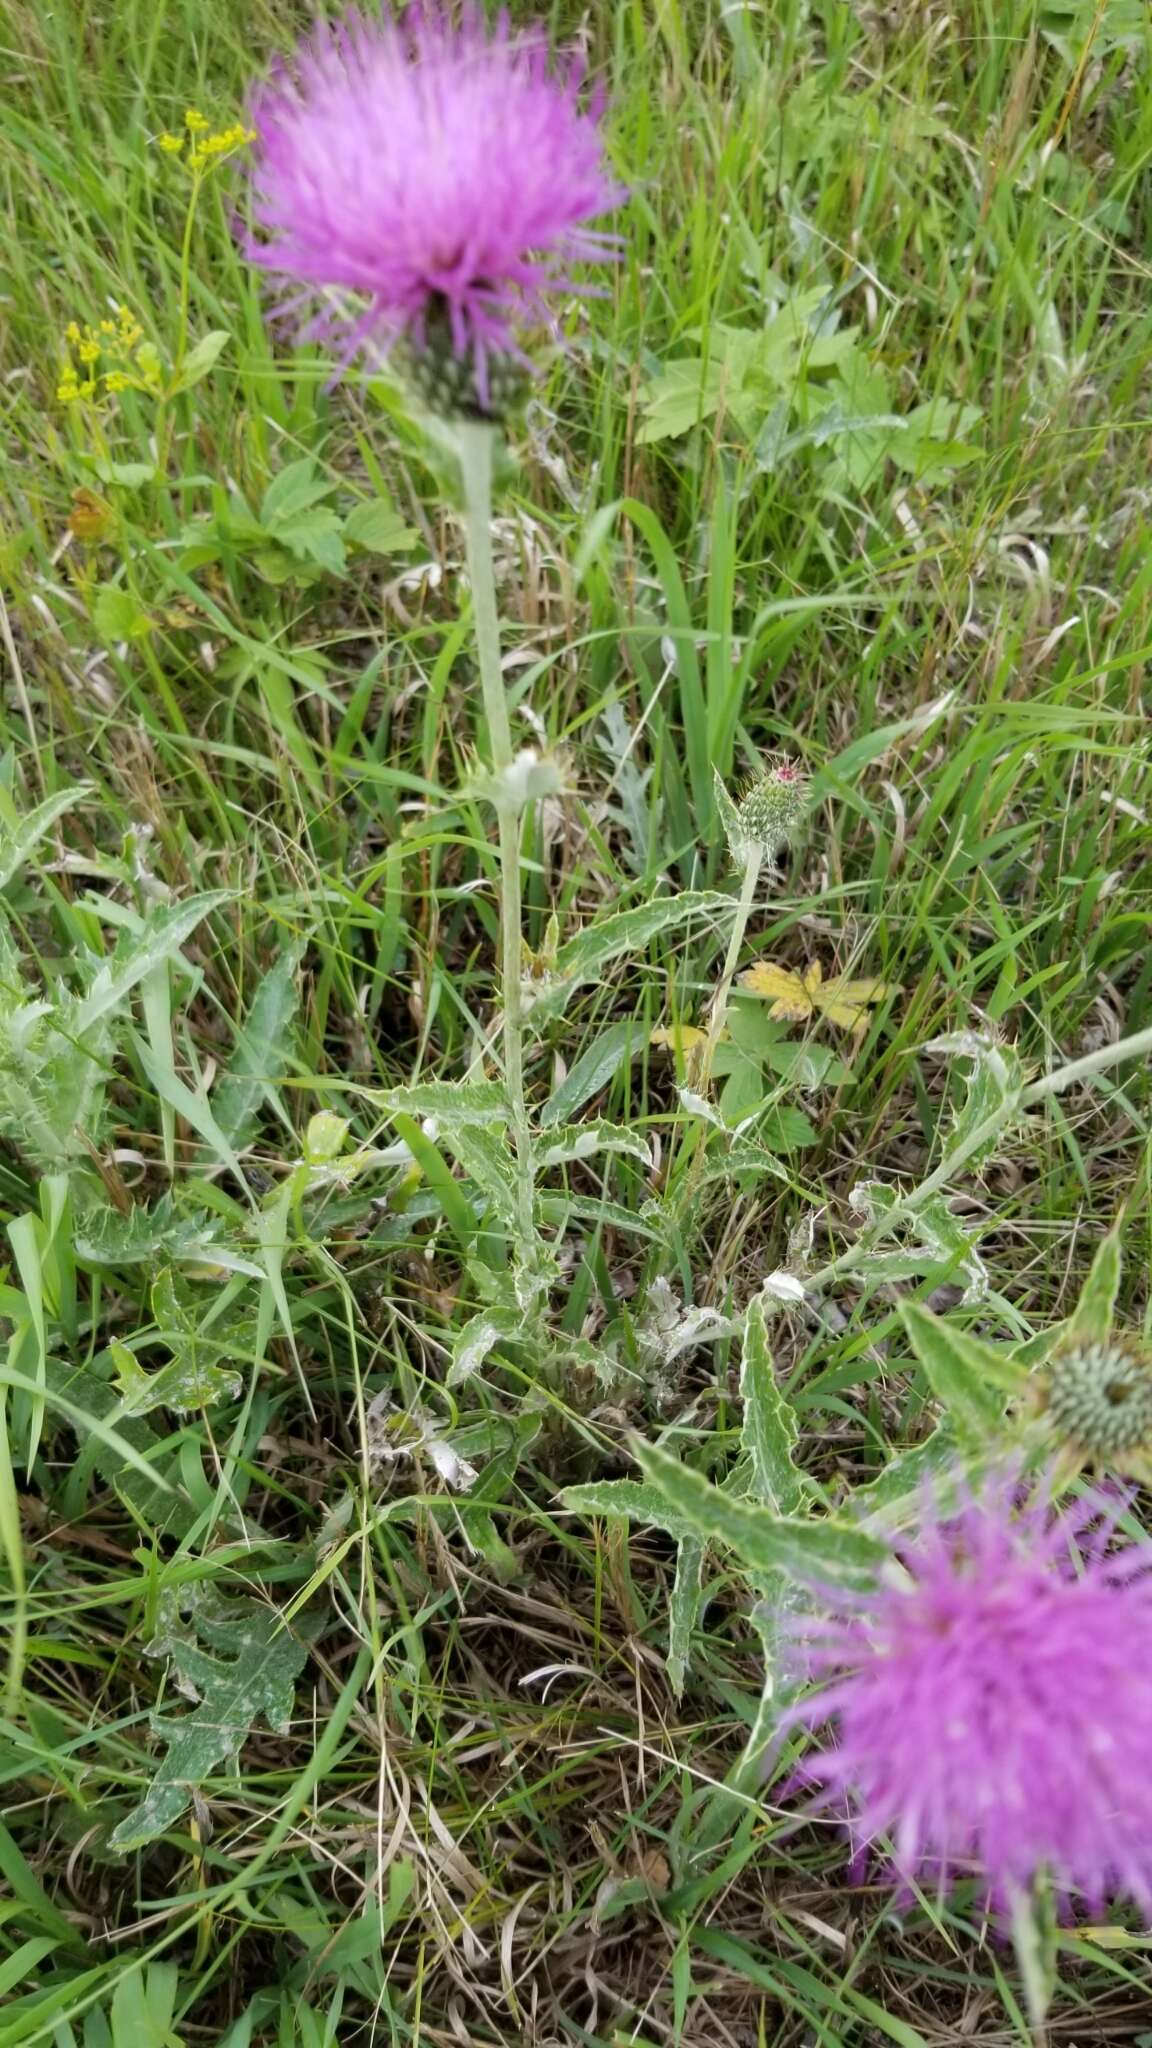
x=1098, y=1397
x=763, y=822
x=446, y=382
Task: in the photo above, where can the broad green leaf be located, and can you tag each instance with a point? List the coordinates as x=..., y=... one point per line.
x=142, y=2007
x=315, y=536
x=584, y=1141
x=295, y=489
x=1091, y=1319
x=379, y=527
x=770, y=1430
x=199, y=360
x=971, y=1379
x=208, y=1335
x=584, y=956
x=814, y=1551
x=117, y=616
x=440, y=1179
x=591, y=1073
x=934, y=442
x=1076, y=27
x=25, y=1960
x=685, y=393
x=448, y=1103
x=240, y=1663
x=159, y=937
x=1032, y=1352
x=599, y=1214
x=19, y=836
x=131, y=476
x=261, y=1052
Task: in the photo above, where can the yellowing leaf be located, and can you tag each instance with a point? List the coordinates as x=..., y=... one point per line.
x=800, y=996
x=90, y=518
x=681, y=1038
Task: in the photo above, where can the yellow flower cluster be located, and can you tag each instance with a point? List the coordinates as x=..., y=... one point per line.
x=120, y=344
x=204, y=147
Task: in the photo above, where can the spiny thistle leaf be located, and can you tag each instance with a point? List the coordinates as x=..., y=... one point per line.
x=239, y=1662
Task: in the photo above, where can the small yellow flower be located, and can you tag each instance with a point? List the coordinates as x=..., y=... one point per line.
x=107, y=327
x=88, y=350
x=72, y=333
x=195, y=122
x=116, y=380
x=68, y=390
x=172, y=143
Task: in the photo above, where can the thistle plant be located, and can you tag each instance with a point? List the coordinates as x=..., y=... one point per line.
x=444, y=176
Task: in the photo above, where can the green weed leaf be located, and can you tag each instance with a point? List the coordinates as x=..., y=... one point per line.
x=971, y=1379
x=261, y=1052
x=117, y=616
x=378, y=527
x=199, y=360
x=584, y=957
x=449, y=1103
x=157, y=938
x=240, y=1663
x=771, y=1431
x=1091, y=1319
x=20, y=837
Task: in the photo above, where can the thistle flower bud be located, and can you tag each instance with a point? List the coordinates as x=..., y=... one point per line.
x=767, y=815
x=1097, y=1395
x=455, y=386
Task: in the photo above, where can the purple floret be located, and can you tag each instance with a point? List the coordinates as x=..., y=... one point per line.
x=990, y=1702
x=442, y=174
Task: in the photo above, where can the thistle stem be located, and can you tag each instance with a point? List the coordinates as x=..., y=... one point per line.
x=475, y=443
x=718, y=1008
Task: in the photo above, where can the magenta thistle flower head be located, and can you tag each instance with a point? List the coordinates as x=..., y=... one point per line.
x=991, y=1701
x=445, y=175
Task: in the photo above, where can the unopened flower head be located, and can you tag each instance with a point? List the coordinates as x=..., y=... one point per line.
x=1097, y=1395
x=992, y=1701
x=443, y=175
x=770, y=812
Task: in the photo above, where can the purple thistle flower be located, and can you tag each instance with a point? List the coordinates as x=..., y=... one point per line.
x=443, y=173
x=992, y=1701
